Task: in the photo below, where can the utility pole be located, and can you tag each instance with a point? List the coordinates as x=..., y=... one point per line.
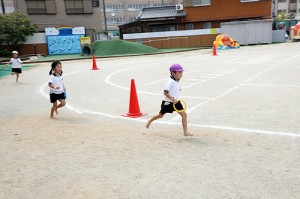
x=2, y=5
x=104, y=15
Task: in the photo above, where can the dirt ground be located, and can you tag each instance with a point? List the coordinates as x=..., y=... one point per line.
x=243, y=108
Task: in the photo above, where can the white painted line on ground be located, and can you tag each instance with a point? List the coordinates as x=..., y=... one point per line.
x=42, y=91
x=272, y=85
x=107, y=80
x=257, y=60
x=226, y=92
x=214, y=76
x=189, y=110
x=205, y=102
x=270, y=68
x=244, y=130
x=165, y=79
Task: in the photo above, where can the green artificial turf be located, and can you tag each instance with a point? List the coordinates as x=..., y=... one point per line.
x=112, y=48
x=7, y=71
x=120, y=47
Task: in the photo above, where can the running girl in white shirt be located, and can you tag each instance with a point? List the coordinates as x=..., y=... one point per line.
x=171, y=96
x=57, y=87
x=16, y=62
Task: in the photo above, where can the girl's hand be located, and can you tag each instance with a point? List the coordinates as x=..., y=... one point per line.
x=57, y=88
x=175, y=101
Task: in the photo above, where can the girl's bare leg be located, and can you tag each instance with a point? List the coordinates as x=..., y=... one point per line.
x=154, y=118
x=62, y=104
x=184, y=123
x=17, y=77
x=54, y=107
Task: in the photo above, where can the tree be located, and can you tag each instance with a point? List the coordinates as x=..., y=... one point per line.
x=15, y=28
x=281, y=16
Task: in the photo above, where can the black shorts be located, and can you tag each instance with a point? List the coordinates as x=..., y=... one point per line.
x=167, y=107
x=54, y=97
x=16, y=70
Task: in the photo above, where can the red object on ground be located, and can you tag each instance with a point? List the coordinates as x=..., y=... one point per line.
x=134, y=107
x=214, y=51
x=94, y=64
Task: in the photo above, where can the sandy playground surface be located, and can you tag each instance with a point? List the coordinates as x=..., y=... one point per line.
x=243, y=109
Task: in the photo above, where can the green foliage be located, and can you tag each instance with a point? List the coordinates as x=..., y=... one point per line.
x=5, y=53
x=15, y=28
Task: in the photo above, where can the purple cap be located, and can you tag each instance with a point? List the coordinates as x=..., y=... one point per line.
x=176, y=67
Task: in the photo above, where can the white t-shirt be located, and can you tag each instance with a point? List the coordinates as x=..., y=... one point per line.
x=57, y=81
x=16, y=63
x=174, y=88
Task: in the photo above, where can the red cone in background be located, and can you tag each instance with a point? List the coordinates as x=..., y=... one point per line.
x=94, y=64
x=134, y=107
x=214, y=50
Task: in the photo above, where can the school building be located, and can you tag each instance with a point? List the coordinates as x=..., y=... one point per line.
x=54, y=13
x=118, y=12
x=164, y=26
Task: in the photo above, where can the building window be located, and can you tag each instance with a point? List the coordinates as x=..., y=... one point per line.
x=78, y=6
x=134, y=7
x=114, y=7
x=201, y=2
x=207, y=25
x=115, y=20
x=189, y=26
x=293, y=1
x=163, y=28
x=95, y=3
x=41, y=7
x=293, y=11
x=131, y=19
x=36, y=7
x=281, y=1
x=282, y=11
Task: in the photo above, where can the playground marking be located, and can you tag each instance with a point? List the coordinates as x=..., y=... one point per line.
x=107, y=80
x=214, y=76
x=205, y=102
x=270, y=68
x=239, y=130
x=273, y=85
x=165, y=79
x=189, y=110
x=257, y=60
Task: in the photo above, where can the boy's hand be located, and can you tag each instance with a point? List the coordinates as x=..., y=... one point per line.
x=57, y=88
x=175, y=101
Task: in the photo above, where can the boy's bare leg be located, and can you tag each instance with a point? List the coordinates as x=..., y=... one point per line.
x=54, y=107
x=62, y=104
x=153, y=118
x=184, y=123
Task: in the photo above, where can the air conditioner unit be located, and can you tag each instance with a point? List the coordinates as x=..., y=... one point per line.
x=179, y=7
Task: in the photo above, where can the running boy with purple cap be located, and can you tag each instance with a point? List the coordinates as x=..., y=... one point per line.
x=171, y=96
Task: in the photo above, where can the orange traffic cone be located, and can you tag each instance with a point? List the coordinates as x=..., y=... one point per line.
x=214, y=50
x=134, y=108
x=94, y=64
